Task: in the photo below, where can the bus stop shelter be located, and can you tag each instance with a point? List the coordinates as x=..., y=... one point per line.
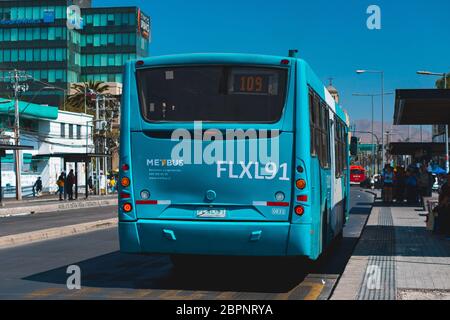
x=3, y=149
x=417, y=149
x=422, y=107
x=76, y=158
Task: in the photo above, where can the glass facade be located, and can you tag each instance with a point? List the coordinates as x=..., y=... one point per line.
x=34, y=37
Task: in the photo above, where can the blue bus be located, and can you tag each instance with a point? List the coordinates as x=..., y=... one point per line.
x=183, y=191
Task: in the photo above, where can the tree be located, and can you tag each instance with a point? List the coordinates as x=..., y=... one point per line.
x=84, y=92
x=440, y=82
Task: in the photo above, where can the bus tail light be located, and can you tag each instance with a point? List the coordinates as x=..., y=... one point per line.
x=124, y=195
x=139, y=63
x=127, y=207
x=125, y=167
x=302, y=198
x=301, y=184
x=299, y=210
x=125, y=182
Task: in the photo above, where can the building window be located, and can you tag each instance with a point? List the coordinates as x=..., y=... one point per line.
x=70, y=131
x=63, y=130
x=78, y=132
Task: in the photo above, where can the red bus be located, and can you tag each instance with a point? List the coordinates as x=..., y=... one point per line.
x=357, y=174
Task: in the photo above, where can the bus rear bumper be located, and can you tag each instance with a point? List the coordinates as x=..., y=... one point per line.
x=208, y=238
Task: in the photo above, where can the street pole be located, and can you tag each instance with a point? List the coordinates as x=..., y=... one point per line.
x=382, y=119
x=105, y=165
x=18, y=164
x=97, y=160
x=446, y=134
x=373, y=147
x=85, y=93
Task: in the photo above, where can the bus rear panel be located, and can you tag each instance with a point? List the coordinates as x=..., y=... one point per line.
x=209, y=158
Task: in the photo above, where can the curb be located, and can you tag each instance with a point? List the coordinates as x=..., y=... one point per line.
x=54, y=233
x=54, y=207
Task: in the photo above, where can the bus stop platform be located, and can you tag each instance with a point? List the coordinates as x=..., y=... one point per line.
x=51, y=203
x=397, y=258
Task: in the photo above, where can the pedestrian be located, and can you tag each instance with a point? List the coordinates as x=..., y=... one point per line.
x=103, y=183
x=399, y=185
x=431, y=181
x=388, y=180
x=411, y=186
x=60, y=184
x=423, y=182
x=90, y=184
x=70, y=181
x=112, y=184
x=444, y=209
x=37, y=187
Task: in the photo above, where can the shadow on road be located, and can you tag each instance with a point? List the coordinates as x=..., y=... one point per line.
x=118, y=270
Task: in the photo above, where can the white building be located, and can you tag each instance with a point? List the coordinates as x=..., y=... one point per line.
x=67, y=132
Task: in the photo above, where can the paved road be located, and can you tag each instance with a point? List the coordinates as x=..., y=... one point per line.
x=39, y=221
x=38, y=271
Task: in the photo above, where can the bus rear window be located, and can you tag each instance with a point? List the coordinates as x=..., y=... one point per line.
x=212, y=93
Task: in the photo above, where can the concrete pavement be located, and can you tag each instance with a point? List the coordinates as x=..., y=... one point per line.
x=397, y=258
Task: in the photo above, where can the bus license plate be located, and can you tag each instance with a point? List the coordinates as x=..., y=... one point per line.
x=211, y=213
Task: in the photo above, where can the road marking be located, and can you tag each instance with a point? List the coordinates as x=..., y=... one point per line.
x=170, y=295
x=43, y=293
x=316, y=290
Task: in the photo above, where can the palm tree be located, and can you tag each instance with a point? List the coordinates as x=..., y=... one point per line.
x=76, y=101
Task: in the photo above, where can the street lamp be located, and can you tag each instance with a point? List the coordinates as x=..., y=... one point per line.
x=372, y=95
x=444, y=74
x=382, y=104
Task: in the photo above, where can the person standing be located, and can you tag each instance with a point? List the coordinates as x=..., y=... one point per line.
x=423, y=183
x=103, y=183
x=399, y=185
x=444, y=208
x=70, y=181
x=388, y=180
x=411, y=186
x=90, y=184
x=60, y=184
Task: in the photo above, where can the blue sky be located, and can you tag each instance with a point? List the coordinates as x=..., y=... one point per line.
x=331, y=35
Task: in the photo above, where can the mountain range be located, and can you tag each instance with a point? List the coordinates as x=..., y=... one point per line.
x=396, y=133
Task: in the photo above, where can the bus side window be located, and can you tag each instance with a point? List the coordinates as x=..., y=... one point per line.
x=317, y=144
x=312, y=123
x=323, y=128
x=337, y=147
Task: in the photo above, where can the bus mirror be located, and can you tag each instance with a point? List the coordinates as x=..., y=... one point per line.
x=354, y=146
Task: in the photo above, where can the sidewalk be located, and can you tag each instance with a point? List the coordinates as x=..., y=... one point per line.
x=51, y=203
x=397, y=258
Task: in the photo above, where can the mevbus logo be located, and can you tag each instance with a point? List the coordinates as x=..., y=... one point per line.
x=164, y=163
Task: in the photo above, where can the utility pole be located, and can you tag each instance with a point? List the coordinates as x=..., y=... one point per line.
x=105, y=165
x=96, y=144
x=16, y=77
